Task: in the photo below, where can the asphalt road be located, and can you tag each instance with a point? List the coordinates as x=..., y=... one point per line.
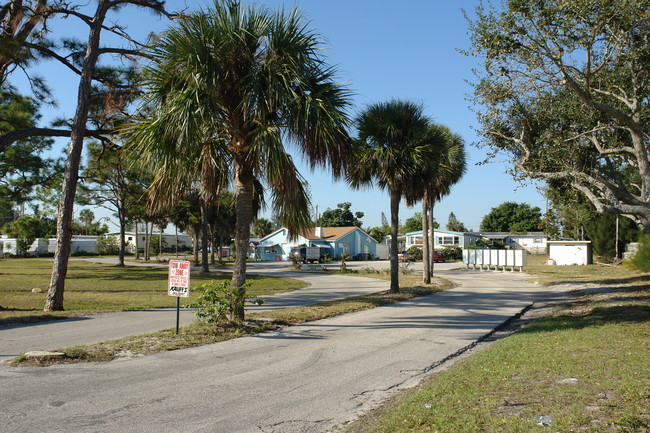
x=18, y=338
x=309, y=378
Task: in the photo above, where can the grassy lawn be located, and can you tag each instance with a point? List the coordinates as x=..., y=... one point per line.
x=599, y=274
x=585, y=366
x=95, y=287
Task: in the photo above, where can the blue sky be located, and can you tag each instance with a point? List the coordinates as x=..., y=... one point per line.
x=382, y=50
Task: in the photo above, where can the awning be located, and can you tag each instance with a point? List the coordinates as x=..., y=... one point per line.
x=321, y=246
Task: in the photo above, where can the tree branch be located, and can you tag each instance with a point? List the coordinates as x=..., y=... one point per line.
x=7, y=139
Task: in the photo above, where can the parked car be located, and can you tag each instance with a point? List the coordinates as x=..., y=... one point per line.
x=405, y=256
x=438, y=256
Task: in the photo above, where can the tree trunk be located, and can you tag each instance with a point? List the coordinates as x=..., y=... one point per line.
x=394, y=227
x=220, y=255
x=426, y=252
x=149, y=237
x=137, y=248
x=176, y=235
x=120, y=255
x=195, y=246
x=121, y=217
x=432, y=237
x=244, y=212
x=145, y=249
x=54, y=300
x=205, y=266
x=160, y=242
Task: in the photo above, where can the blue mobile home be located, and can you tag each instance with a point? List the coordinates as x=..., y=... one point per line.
x=334, y=241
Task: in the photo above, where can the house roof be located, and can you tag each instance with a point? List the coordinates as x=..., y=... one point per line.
x=497, y=235
x=327, y=233
x=447, y=232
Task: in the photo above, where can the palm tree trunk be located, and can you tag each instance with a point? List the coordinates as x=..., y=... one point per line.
x=244, y=212
x=54, y=300
x=195, y=245
x=432, y=238
x=394, y=227
x=426, y=252
x=205, y=266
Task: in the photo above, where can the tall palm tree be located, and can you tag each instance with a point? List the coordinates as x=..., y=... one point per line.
x=450, y=169
x=240, y=82
x=394, y=151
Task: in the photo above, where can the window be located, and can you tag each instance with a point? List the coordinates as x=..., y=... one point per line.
x=537, y=240
x=130, y=238
x=272, y=249
x=448, y=240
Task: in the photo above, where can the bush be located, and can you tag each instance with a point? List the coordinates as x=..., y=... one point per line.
x=453, y=252
x=108, y=245
x=415, y=252
x=217, y=302
x=344, y=258
x=641, y=259
x=154, y=245
x=296, y=260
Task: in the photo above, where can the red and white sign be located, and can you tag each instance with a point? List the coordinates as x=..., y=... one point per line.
x=179, y=278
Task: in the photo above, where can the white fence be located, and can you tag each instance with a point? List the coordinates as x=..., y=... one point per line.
x=495, y=259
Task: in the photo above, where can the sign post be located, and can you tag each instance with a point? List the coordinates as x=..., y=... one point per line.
x=178, y=284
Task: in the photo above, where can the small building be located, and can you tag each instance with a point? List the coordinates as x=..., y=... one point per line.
x=442, y=239
x=334, y=241
x=570, y=252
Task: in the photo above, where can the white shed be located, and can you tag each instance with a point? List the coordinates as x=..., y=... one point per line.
x=570, y=252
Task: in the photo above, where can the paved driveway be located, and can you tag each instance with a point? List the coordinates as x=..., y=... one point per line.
x=308, y=378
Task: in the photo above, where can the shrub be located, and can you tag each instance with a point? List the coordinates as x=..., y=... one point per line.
x=296, y=260
x=108, y=245
x=217, y=302
x=415, y=252
x=453, y=252
x=344, y=257
x=641, y=259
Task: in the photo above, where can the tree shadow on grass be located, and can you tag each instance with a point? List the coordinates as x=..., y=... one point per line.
x=599, y=306
x=36, y=319
x=608, y=282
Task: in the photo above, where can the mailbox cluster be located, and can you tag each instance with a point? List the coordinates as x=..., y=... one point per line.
x=495, y=259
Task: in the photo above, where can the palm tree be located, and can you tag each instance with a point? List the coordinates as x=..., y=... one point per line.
x=394, y=151
x=233, y=84
x=87, y=218
x=450, y=169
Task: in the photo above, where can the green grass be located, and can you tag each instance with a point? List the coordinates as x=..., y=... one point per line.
x=600, y=274
x=96, y=288
x=601, y=338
